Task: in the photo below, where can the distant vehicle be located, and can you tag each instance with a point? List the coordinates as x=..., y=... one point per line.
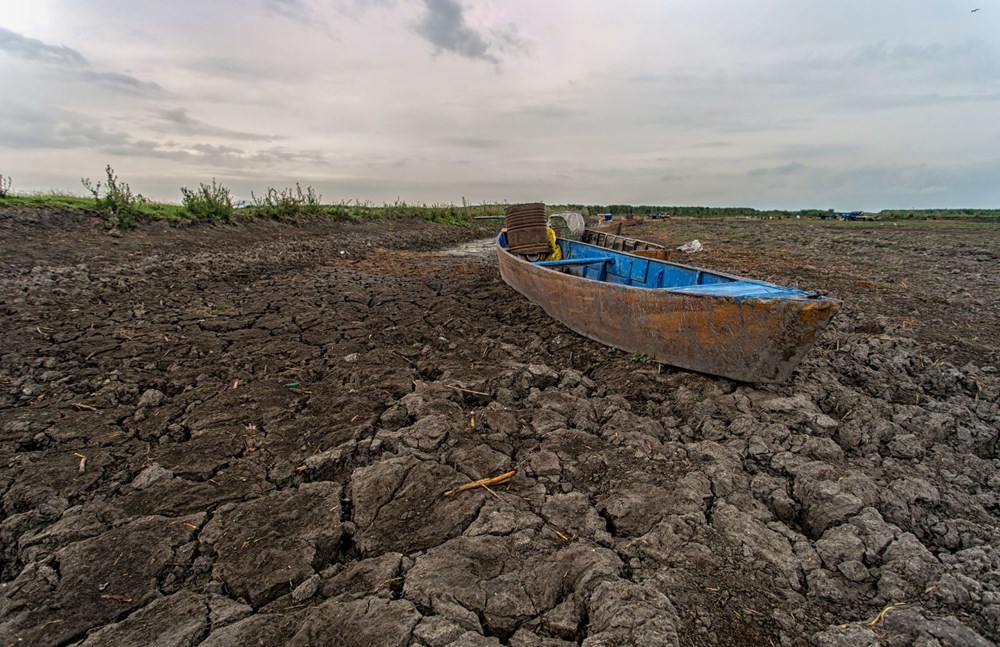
x=855, y=215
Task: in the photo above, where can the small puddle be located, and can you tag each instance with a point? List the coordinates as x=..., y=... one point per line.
x=481, y=247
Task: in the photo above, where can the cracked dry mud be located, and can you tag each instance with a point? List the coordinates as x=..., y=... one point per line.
x=242, y=435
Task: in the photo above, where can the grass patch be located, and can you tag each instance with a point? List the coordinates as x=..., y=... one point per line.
x=51, y=200
x=441, y=213
x=213, y=203
x=146, y=209
x=163, y=211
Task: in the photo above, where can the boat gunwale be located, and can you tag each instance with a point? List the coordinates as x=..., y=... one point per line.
x=804, y=297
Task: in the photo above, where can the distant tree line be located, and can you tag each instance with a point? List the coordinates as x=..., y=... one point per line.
x=749, y=212
x=935, y=214
x=701, y=212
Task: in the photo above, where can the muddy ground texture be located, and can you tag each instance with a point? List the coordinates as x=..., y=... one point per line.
x=243, y=435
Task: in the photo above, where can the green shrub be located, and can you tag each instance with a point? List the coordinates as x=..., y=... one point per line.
x=115, y=199
x=5, y=183
x=310, y=200
x=209, y=202
x=287, y=204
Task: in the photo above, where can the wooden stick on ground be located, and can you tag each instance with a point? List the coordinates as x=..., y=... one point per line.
x=490, y=490
x=404, y=357
x=503, y=478
x=458, y=388
x=881, y=615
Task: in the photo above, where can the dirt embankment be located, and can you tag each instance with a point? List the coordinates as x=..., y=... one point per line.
x=223, y=436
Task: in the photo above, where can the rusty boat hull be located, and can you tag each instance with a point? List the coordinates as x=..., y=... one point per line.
x=695, y=319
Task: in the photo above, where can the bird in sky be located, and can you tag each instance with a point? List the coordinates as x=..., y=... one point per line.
x=974, y=10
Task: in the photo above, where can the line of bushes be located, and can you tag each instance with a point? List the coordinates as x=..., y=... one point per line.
x=124, y=209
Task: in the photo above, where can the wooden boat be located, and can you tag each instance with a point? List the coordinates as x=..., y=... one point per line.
x=692, y=318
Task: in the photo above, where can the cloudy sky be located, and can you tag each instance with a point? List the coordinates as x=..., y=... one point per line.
x=767, y=103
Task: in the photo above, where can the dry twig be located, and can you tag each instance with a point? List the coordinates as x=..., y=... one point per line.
x=483, y=483
x=881, y=614
x=458, y=388
x=488, y=489
x=404, y=357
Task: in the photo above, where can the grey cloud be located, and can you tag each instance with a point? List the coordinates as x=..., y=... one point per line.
x=57, y=129
x=482, y=143
x=236, y=69
x=295, y=9
x=71, y=62
x=963, y=61
x=86, y=135
x=301, y=12
x=917, y=100
x=919, y=58
x=34, y=49
x=444, y=27
x=650, y=78
x=547, y=111
x=19, y=133
x=180, y=122
x=911, y=54
x=23, y=129
x=874, y=75
x=230, y=157
x=508, y=39
x=234, y=156
x=785, y=169
x=354, y=8
x=119, y=82
x=229, y=68
x=814, y=150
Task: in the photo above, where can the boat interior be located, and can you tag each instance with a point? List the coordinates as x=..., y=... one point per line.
x=612, y=266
